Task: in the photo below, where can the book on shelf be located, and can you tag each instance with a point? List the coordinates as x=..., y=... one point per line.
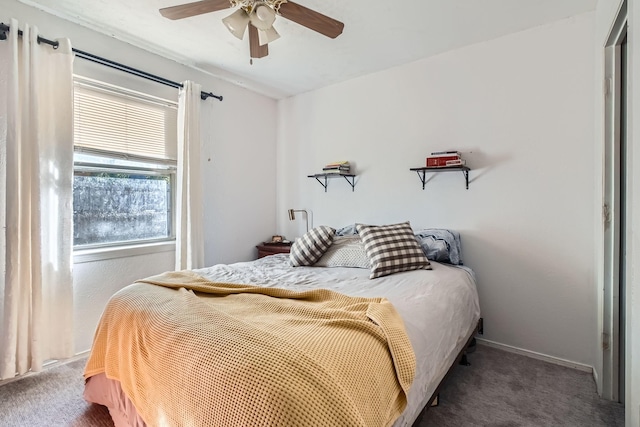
x=446, y=153
x=441, y=160
x=339, y=168
x=459, y=162
x=336, y=171
x=335, y=164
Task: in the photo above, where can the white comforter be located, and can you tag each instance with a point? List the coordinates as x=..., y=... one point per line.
x=440, y=307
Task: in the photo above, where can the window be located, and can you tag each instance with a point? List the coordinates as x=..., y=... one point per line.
x=124, y=167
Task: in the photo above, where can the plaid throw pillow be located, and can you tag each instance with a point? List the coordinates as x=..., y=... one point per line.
x=392, y=249
x=309, y=248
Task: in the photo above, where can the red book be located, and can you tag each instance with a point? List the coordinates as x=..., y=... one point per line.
x=440, y=160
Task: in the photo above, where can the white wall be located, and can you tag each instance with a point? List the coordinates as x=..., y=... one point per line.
x=95, y=282
x=238, y=155
x=521, y=109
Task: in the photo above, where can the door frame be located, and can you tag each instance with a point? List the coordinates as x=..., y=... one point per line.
x=611, y=321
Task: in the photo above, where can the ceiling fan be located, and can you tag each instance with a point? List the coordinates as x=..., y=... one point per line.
x=258, y=16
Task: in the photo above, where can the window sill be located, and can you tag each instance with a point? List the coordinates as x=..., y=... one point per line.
x=101, y=254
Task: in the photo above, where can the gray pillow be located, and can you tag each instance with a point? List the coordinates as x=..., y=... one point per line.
x=345, y=251
x=440, y=244
x=391, y=249
x=348, y=230
x=308, y=249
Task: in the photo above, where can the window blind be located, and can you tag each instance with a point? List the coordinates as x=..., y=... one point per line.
x=114, y=119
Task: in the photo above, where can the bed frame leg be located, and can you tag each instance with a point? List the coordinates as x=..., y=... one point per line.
x=436, y=401
x=464, y=361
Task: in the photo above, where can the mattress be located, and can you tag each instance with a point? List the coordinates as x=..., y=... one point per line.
x=439, y=307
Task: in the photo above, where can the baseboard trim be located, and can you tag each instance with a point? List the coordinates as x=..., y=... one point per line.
x=46, y=366
x=535, y=355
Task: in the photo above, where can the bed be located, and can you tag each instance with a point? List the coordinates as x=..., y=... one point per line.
x=438, y=307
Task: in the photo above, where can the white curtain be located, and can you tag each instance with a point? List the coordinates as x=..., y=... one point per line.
x=189, y=215
x=36, y=170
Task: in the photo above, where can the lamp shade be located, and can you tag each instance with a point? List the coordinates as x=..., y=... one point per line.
x=267, y=36
x=263, y=16
x=237, y=22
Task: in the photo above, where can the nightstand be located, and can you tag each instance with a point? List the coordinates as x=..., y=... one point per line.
x=266, y=249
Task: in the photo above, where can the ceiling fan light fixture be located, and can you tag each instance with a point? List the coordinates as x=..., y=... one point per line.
x=258, y=16
x=267, y=36
x=237, y=22
x=263, y=16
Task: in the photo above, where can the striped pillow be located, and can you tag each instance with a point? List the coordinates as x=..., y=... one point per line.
x=309, y=248
x=392, y=249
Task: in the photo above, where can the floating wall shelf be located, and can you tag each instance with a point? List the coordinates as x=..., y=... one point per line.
x=323, y=177
x=423, y=171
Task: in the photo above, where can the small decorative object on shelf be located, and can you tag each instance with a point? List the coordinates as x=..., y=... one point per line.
x=335, y=169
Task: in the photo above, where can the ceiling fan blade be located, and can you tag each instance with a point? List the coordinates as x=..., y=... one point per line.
x=311, y=19
x=195, y=8
x=255, y=49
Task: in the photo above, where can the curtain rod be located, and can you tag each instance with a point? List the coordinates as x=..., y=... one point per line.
x=108, y=63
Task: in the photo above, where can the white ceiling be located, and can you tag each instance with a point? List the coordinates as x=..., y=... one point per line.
x=377, y=35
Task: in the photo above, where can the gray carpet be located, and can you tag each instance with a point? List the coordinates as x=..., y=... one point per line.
x=502, y=389
x=52, y=398
x=499, y=389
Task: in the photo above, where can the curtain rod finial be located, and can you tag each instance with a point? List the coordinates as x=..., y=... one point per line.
x=205, y=95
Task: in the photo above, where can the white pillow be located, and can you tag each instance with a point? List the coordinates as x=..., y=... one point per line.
x=345, y=251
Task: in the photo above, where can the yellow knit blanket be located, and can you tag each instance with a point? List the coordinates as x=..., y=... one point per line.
x=191, y=352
